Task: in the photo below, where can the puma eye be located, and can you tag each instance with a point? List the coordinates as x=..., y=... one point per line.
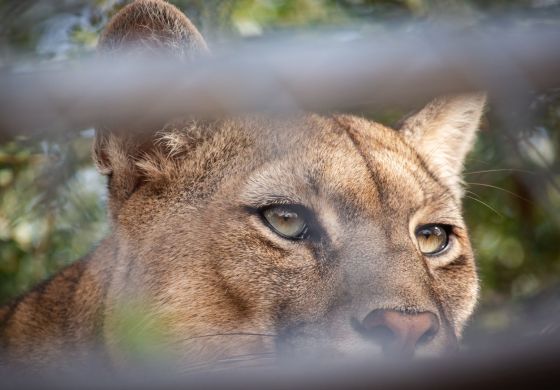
x=432, y=239
x=287, y=221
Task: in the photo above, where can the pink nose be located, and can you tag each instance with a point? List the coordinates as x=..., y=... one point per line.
x=400, y=333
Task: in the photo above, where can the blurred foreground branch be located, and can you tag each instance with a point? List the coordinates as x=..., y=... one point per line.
x=365, y=73
x=532, y=365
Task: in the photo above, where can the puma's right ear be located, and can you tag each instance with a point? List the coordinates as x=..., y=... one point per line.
x=144, y=26
x=443, y=132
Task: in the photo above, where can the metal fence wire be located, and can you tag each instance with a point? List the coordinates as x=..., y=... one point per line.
x=364, y=73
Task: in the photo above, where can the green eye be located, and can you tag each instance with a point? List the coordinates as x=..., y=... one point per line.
x=286, y=221
x=432, y=239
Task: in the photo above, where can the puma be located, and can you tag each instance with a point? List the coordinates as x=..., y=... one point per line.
x=262, y=235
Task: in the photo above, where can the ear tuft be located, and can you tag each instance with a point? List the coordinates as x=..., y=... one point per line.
x=443, y=133
x=152, y=24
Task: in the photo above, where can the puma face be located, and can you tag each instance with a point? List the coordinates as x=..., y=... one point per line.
x=318, y=234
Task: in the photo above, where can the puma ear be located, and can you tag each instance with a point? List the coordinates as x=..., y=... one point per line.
x=443, y=133
x=152, y=24
x=143, y=26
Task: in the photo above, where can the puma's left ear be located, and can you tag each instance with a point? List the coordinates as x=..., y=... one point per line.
x=152, y=24
x=120, y=149
x=443, y=133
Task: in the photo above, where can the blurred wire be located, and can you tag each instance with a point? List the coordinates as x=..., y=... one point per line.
x=371, y=72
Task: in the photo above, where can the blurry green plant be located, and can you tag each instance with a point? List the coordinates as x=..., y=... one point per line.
x=51, y=210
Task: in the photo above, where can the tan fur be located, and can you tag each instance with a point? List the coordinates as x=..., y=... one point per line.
x=203, y=275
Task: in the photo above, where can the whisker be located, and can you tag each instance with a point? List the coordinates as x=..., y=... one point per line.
x=252, y=355
x=485, y=204
x=238, y=360
x=501, y=189
x=226, y=363
x=241, y=358
x=214, y=369
x=472, y=193
x=500, y=170
x=231, y=334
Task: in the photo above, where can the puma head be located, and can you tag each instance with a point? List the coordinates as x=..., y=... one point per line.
x=285, y=235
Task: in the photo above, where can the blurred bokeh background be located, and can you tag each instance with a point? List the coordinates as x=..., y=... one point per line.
x=52, y=200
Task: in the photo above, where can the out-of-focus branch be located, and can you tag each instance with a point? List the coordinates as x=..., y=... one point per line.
x=533, y=365
x=371, y=72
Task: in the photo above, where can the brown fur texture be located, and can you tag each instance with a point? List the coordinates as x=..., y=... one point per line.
x=197, y=272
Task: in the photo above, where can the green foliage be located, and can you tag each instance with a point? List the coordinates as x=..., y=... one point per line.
x=51, y=211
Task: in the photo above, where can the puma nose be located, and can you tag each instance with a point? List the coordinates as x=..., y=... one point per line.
x=400, y=333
